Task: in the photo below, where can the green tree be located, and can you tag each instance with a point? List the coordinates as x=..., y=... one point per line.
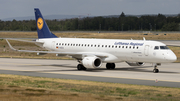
x=170, y=27
x=122, y=15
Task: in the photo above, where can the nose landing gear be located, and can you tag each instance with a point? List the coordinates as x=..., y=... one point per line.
x=156, y=70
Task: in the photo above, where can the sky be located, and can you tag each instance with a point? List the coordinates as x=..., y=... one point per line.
x=24, y=8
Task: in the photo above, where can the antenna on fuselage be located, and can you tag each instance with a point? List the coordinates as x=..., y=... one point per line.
x=144, y=38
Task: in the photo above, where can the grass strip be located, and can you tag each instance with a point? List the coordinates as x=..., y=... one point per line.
x=17, y=88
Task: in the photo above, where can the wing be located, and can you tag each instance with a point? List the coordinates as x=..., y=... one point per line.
x=33, y=41
x=77, y=55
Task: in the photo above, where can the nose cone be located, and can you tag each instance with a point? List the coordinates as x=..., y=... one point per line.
x=171, y=57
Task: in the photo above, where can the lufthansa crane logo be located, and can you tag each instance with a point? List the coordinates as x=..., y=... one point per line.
x=40, y=23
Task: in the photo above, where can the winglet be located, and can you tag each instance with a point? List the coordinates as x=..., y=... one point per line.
x=11, y=46
x=144, y=38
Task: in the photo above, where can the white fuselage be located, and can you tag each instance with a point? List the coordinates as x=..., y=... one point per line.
x=116, y=50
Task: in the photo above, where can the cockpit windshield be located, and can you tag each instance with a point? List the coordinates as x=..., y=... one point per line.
x=156, y=48
x=161, y=48
x=164, y=47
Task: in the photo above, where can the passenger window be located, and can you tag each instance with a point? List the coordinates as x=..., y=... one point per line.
x=59, y=43
x=102, y=45
x=126, y=46
x=156, y=48
x=119, y=46
x=137, y=47
x=130, y=47
x=122, y=46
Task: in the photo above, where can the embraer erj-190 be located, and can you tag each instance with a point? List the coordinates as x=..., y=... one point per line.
x=91, y=53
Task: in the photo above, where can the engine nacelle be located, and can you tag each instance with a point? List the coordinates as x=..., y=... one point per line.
x=135, y=63
x=92, y=62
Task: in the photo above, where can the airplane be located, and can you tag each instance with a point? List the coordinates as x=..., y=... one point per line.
x=91, y=53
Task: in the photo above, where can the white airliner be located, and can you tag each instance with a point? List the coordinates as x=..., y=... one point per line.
x=91, y=53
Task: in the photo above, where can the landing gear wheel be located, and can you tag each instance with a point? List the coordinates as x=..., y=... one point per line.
x=80, y=67
x=110, y=66
x=113, y=66
x=155, y=70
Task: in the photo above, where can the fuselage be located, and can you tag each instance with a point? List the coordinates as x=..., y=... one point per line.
x=117, y=50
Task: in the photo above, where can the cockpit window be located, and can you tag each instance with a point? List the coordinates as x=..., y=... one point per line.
x=163, y=47
x=156, y=48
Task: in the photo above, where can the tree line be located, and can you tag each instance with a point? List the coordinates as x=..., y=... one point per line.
x=122, y=23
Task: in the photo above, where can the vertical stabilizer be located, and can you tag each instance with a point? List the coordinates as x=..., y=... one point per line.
x=42, y=28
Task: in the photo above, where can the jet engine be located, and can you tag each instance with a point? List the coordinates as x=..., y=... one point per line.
x=92, y=62
x=135, y=63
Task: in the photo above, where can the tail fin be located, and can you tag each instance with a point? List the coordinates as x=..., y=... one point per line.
x=42, y=28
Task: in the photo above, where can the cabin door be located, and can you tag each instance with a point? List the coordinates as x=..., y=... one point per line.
x=53, y=45
x=146, y=50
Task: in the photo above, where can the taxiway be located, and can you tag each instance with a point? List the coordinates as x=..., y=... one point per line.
x=169, y=75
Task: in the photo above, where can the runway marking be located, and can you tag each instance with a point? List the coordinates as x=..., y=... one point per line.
x=97, y=76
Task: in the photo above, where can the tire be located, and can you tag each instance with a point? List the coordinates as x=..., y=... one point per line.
x=110, y=66
x=79, y=67
x=156, y=70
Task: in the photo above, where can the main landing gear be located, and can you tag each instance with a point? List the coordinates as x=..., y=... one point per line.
x=80, y=67
x=110, y=66
x=155, y=70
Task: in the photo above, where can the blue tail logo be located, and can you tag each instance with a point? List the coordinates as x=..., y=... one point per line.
x=42, y=28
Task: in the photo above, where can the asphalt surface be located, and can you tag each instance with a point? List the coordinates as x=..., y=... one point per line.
x=169, y=75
